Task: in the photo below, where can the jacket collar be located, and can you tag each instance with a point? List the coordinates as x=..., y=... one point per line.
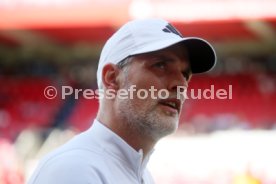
x=115, y=146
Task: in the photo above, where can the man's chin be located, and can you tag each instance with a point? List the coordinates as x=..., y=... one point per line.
x=170, y=125
x=171, y=119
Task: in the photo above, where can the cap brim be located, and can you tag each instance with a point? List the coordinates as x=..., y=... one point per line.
x=201, y=54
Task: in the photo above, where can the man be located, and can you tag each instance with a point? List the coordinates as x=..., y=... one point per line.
x=142, y=56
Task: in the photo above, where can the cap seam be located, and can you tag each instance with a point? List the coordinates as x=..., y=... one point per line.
x=132, y=37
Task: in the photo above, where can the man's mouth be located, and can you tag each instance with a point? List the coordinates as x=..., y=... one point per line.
x=172, y=103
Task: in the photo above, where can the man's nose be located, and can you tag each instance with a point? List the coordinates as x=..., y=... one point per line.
x=177, y=80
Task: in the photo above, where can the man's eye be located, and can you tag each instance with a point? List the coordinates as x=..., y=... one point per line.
x=161, y=65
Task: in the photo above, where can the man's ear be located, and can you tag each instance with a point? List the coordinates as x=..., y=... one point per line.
x=110, y=73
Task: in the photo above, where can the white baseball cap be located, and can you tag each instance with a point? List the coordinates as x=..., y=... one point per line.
x=147, y=35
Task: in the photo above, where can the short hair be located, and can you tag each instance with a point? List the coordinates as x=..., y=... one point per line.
x=122, y=65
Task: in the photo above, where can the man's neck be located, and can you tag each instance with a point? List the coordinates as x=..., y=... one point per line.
x=130, y=136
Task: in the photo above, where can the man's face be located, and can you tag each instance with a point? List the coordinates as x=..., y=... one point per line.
x=166, y=69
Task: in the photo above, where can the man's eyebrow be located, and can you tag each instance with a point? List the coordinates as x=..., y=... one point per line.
x=152, y=57
x=162, y=56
